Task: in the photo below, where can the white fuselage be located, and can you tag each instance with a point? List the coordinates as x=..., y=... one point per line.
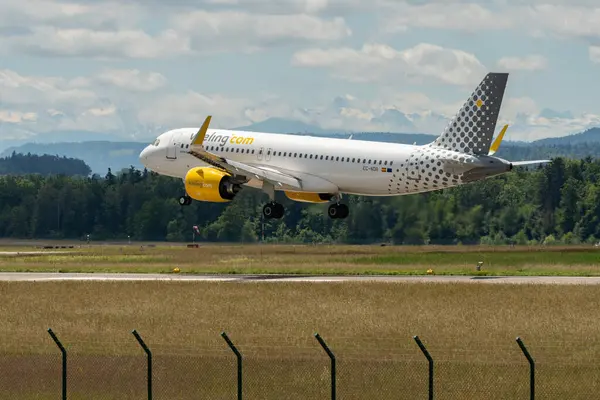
x=351, y=166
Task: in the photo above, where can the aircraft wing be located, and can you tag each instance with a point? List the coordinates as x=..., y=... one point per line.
x=263, y=173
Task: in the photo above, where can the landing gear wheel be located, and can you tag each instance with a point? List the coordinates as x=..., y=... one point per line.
x=338, y=211
x=273, y=210
x=185, y=200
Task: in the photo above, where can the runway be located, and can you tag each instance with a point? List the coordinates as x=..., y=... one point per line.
x=55, y=276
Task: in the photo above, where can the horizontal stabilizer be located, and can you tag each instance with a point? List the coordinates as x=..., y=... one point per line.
x=455, y=167
x=521, y=163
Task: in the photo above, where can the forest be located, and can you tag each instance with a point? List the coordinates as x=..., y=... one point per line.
x=19, y=164
x=555, y=203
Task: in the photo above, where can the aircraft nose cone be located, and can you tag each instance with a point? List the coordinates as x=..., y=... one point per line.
x=144, y=155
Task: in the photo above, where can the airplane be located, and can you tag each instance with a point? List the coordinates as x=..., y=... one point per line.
x=215, y=164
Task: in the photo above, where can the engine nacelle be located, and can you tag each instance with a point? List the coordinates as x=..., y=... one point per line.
x=210, y=184
x=306, y=197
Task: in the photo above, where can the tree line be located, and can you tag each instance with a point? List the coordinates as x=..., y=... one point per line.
x=19, y=164
x=555, y=203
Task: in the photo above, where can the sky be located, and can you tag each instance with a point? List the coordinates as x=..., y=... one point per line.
x=136, y=68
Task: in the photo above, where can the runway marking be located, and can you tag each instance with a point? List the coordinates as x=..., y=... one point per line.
x=55, y=276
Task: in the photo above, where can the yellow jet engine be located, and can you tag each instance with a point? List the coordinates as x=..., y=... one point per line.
x=210, y=184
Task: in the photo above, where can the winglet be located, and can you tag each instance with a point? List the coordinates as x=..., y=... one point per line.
x=496, y=145
x=202, y=132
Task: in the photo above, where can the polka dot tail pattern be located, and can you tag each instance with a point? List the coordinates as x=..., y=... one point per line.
x=472, y=129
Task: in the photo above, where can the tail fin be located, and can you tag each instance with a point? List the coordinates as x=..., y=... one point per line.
x=472, y=129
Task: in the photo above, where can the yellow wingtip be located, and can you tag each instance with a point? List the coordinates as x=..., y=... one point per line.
x=496, y=145
x=202, y=132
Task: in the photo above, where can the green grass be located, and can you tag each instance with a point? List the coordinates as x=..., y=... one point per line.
x=315, y=260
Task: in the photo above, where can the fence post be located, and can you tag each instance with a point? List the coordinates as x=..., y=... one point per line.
x=531, y=368
x=64, y=363
x=149, y=354
x=430, y=359
x=332, y=357
x=239, y=363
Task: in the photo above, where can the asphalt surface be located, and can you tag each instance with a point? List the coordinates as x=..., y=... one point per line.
x=54, y=276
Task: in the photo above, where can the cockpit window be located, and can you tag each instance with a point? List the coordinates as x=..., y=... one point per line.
x=156, y=142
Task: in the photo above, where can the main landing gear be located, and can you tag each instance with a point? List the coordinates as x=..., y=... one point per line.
x=185, y=200
x=273, y=210
x=338, y=211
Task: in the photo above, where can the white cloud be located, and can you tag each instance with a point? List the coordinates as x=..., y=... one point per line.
x=57, y=103
x=512, y=107
x=115, y=30
x=69, y=14
x=21, y=90
x=191, y=108
x=16, y=117
x=467, y=17
x=314, y=7
x=533, y=127
x=285, y=6
x=233, y=30
x=595, y=54
x=561, y=18
x=532, y=62
x=100, y=44
x=379, y=62
x=132, y=79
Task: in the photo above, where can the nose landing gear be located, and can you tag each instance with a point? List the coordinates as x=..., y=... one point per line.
x=185, y=200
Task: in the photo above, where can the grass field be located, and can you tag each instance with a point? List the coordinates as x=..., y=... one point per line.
x=288, y=259
x=469, y=329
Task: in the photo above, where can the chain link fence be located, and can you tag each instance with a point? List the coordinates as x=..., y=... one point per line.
x=309, y=369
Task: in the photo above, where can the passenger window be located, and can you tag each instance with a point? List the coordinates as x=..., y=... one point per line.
x=295, y=155
x=337, y=159
x=391, y=163
x=326, y=158
x=353, y=159
x=237, y=150
x=342, y=159
x=321, y=157
x=285, y=154
x=311, y=156
x=252, y=151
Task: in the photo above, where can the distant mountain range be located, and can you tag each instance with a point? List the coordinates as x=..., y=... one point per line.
x=102, y=151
